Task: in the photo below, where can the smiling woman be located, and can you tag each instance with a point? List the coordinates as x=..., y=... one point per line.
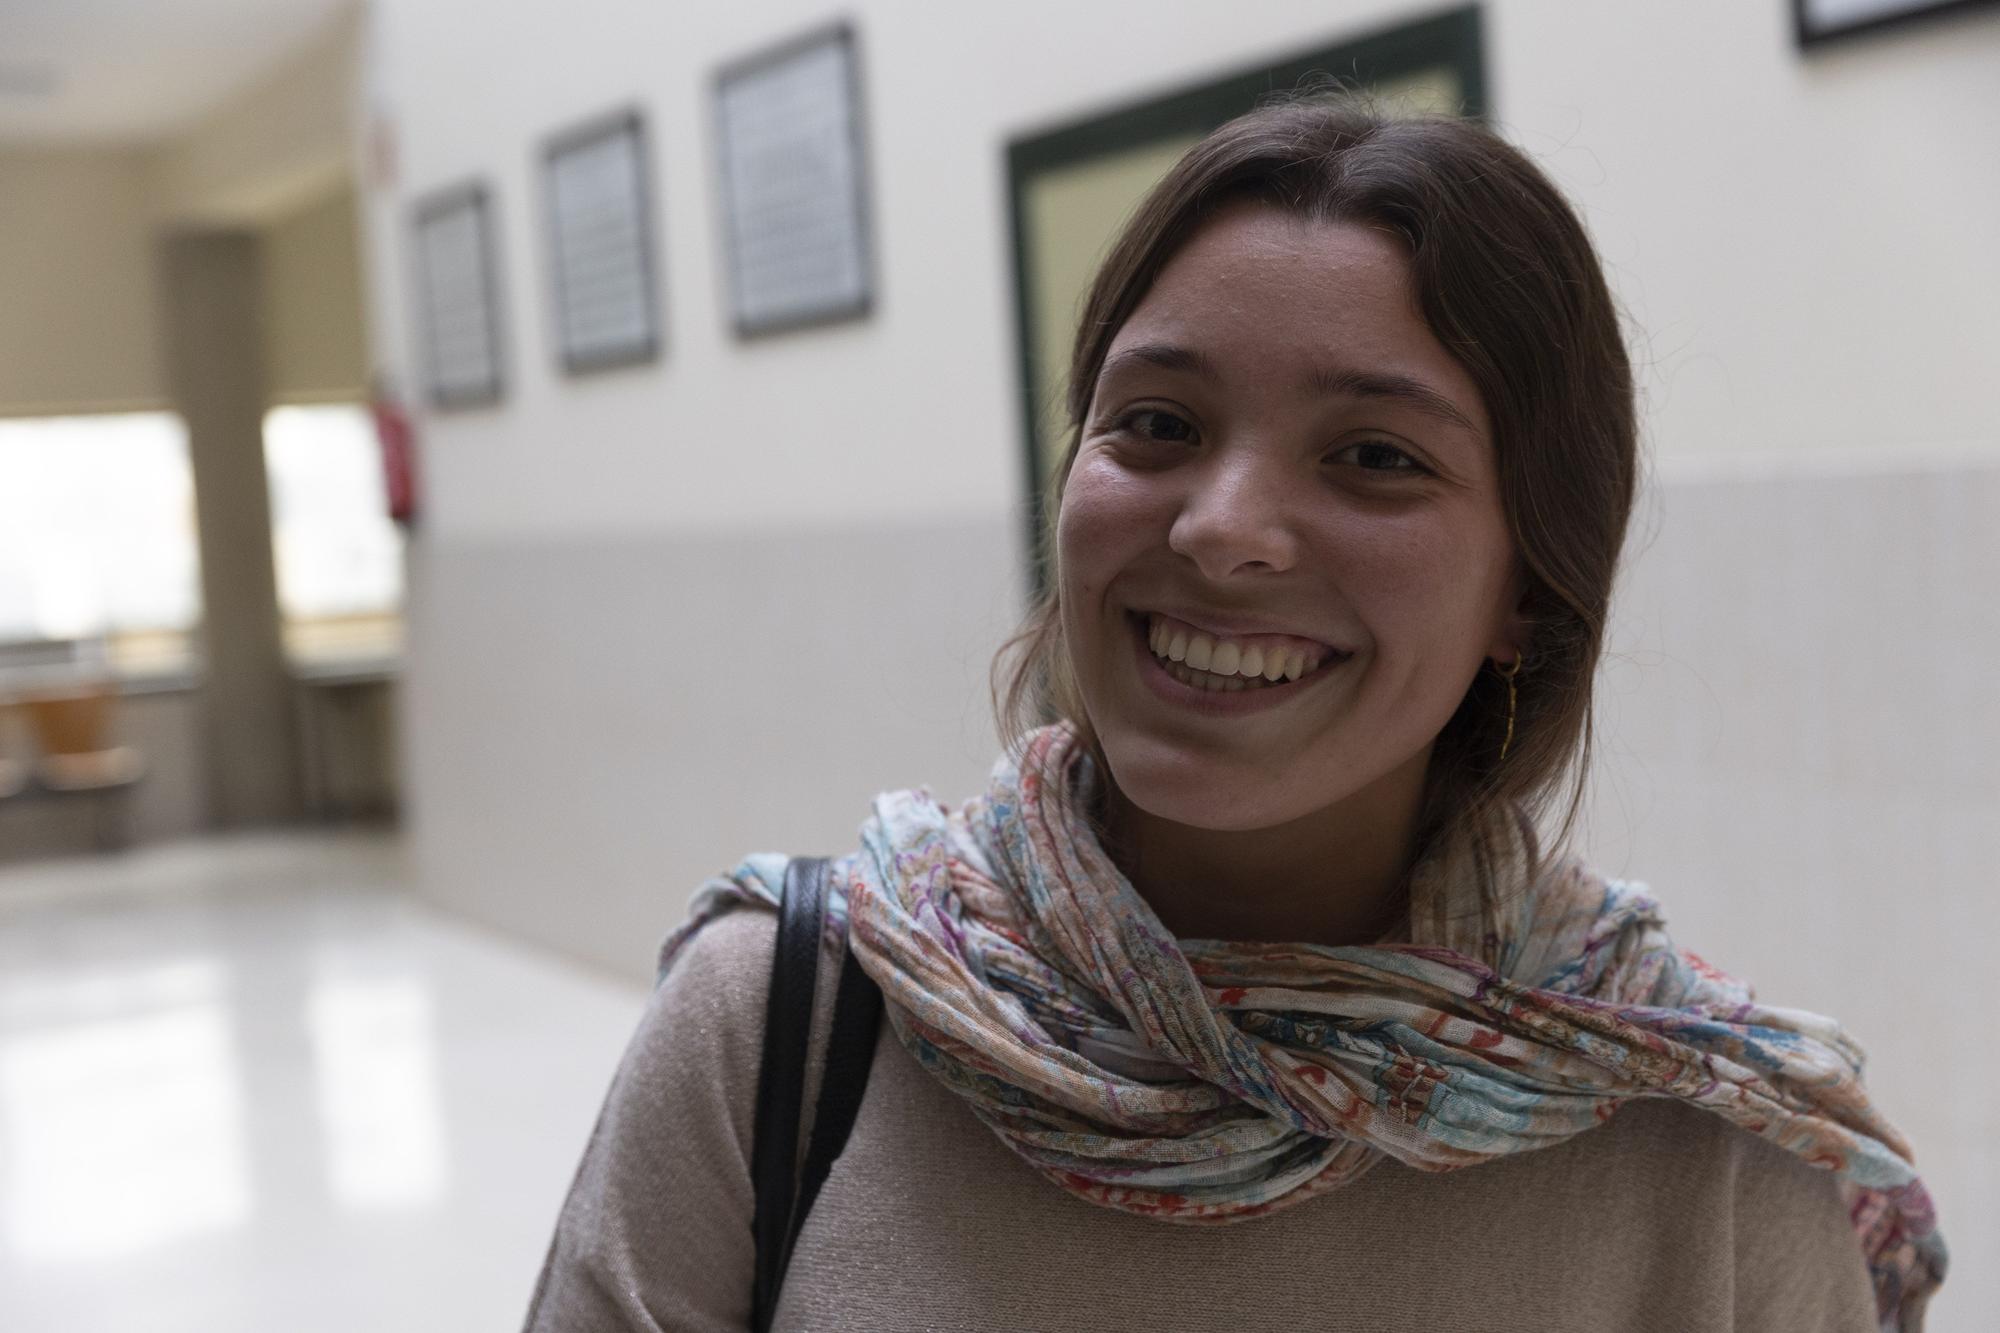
x=1301, y=274
x=1265, y=916
x=1278, y=444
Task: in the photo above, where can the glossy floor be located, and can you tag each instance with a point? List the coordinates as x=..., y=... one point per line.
x=250, y=1084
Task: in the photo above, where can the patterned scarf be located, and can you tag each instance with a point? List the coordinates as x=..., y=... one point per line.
x=1206, y=1081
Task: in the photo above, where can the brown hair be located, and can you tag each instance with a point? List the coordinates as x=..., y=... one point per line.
x=1506, y=279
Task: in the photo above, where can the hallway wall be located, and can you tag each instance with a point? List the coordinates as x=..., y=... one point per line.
x=79, y=301
x=1784, y=233
x=1759, y=235
x=315, y=345
x=1797, y=754
x=612, y=571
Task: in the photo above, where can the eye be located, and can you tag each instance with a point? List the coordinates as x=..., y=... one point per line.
x=1380, y=456
x=1152, y=423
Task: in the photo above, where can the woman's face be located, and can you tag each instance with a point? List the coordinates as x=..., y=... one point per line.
x=1281, y=547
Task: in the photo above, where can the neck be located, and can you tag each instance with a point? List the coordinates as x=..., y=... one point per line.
x=1335, y=877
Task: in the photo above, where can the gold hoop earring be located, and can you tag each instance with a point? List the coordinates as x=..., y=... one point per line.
x=1507, y=673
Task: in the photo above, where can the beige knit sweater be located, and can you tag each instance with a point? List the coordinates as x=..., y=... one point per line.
x=1665, y=1220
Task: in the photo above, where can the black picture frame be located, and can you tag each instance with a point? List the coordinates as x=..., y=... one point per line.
x=1813, y=31
x=473, y=201
x=1453, y=39
x=839, y=36
x=626, y=123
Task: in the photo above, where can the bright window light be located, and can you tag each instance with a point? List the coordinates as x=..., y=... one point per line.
x=97, y=527
x=339, y=553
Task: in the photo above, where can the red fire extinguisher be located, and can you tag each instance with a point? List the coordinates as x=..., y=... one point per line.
x=399, y=454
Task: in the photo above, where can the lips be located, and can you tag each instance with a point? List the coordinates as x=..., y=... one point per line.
x=1218, y=693
x=1249, y=657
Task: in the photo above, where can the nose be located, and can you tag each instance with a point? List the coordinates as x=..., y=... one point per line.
x=1236, y=518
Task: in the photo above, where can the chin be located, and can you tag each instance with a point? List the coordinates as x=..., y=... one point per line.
x=1170, y=784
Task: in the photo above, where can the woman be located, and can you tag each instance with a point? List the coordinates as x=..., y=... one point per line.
x=1258, y=936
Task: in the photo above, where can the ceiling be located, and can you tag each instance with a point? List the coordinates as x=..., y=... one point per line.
x=107, y=72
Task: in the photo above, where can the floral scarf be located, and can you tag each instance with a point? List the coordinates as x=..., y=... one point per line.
x=1206, y=1081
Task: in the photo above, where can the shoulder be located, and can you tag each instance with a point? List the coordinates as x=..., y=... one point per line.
x=706, y=1013
x=1798, y=1262
x=656, y=1232
x=726, y=955
x=1767, y=1182
x=689, y=1071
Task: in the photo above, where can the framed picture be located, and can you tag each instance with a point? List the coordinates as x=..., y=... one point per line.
x=600, y=244
x=458, y=295
x=1071, y=187
x=1817, y=21
x=793, y=179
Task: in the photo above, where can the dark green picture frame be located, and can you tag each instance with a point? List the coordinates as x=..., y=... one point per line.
x=1812, y=31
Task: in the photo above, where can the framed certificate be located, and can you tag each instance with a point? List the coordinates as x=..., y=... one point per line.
x=600, y=244
x=1816, y=21
x=458, y=295
x=793, y=184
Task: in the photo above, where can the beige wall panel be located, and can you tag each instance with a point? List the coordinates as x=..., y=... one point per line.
x=79, y=300
x=1801, y=754
x=284, y=142
x=314, y=346
x=645, y=711
x=1072, y=216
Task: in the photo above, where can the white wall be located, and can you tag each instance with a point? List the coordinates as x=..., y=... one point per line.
x=1804, y=246
x=1788, y=234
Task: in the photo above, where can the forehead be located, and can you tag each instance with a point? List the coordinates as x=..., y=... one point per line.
x=1273, y=297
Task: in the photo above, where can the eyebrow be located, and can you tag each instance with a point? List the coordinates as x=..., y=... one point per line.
x=1325, y=381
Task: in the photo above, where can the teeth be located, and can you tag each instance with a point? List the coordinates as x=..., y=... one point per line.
x=1214, y=664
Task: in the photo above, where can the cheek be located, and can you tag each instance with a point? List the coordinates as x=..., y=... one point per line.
x=1427, y=581
x=1108, y=519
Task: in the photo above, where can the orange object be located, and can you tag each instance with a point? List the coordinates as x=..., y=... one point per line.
x=74, y=721
x=73, y=729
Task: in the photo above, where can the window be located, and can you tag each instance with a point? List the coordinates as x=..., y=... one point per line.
x=99, y=559
x=97, y=540
x=339, y=555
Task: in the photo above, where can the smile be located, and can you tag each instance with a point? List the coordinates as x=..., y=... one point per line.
x=1226, y=673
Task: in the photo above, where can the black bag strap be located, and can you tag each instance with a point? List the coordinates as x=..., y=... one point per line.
x=781, y=1077
x=785, y=1189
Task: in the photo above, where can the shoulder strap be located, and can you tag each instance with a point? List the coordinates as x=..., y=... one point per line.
x=850, y=1050
x=785, y=1190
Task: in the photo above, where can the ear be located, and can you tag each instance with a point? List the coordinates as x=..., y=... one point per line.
x=1516, y=631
